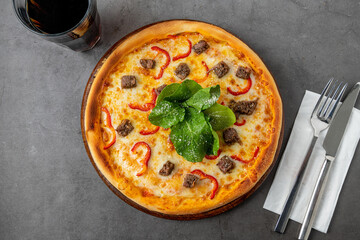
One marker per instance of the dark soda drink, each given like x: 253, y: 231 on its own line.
x: 56, y: 16
x: 70, y: 23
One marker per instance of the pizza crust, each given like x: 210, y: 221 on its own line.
x: 91, y: 117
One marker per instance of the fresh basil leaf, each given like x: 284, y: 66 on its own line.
x: 220, y: 116
x: 192, y: 138
x: 216, y: 144
x: 204, y: 98
x: 193, y: 86
x: 177, y: 92
x: 181, y: 94
x: 166, y: 114
x: 214, y: 96
x: 207, y: 118
x: 167, y: 91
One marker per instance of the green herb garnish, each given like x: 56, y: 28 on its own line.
x: 167, y: 114
x: 220, y: 116
x: 193, y: 116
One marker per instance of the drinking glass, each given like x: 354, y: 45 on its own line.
x: 83, y: 36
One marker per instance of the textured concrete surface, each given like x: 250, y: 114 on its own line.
x: 48, y: 187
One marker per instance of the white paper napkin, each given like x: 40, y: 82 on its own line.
x: 293, y: 156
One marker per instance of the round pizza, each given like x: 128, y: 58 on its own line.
x: 181, y: 117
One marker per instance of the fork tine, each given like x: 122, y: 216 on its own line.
x: 324, y: 91
x: 320, y: 113
x: 332, y: 99
x: 338, y: 98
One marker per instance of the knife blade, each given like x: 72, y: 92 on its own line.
x: 331, y: 144
x: 340, y: 120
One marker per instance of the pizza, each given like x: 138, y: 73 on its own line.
x: 140, y: 159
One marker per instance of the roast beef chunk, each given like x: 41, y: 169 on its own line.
x: 243, y: 72
x: 167, y: 169
x: 189, y: 180
x: 147, y: 63
x: 221, y: 69
x: 242, y: 107
x: 124, y: 128
x: 128, y: 81
x: 159, y: 89
x: 231, y: 136
x: 201, y: 46
x: 225, y: 164
x: 182, y: 71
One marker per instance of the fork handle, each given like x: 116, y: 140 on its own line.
x: 315, y: 200
x: 284, y: 217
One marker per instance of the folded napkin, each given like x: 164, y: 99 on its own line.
x: 291, y: 161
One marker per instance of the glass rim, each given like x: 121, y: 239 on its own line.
x: 90, y: 4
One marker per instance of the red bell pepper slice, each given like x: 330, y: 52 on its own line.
x: 241, y: 91
x: 147, y: 106
x: 206, y: 75
x: 145, y: 160
x: 166, y: 64
x: 213, y: 157
x: 184, y: 55
x: 148, y: 132
x: 256, y: 152
x: 240, y: 123
x: 153, y: 97
x: 172, y: 36
x: 109, y: 127
x: 211, y: 178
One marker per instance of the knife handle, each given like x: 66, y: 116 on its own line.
x: 284, y: 216
x: 315, y: 199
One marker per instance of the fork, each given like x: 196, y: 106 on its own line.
x: 321, y: 116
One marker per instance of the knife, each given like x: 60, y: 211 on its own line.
x: 331, y: 144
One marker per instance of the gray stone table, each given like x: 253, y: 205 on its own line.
x: 48, y: 187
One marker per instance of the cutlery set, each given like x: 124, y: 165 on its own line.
x: 326, y: 114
